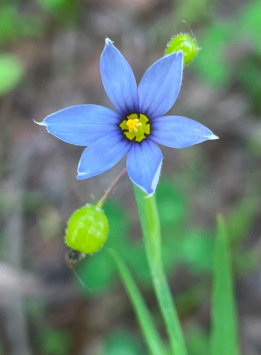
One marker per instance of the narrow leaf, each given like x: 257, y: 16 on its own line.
x: 144, y: 317
x: 224, y: 324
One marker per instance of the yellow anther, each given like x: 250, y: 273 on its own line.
x: 136, y: 127
x: 133, y: 124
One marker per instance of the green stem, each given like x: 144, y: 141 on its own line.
x: 150, y: 224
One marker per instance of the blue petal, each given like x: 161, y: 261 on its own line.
x: 82, y: 124
x: 118, y: 80
x: 160, y: 85
x: 179, y: 132
x: 144, y: 164
x: 102, y: 155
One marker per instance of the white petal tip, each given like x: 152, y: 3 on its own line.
x: 108, y: 41
x: 40, y: 123
x: 149, y: 195
x: 213, y: 137
x: 81, y: 176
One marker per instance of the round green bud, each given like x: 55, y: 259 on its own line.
x: 87, y: 229
x: 184, y: 43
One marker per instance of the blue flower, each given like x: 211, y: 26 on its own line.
x: 138, y: 124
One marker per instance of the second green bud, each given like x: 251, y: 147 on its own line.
x: 183, y: 42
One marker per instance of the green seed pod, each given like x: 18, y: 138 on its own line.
x: 87, y: 229
x: 184, y: 43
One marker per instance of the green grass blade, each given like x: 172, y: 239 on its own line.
x: 144, y: 317
x: 224, y: 323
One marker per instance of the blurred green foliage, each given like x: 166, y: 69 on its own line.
x: 231, y: 50
x: 121, y: 342
x: 124, y: 342
x: 211, y: 63
x: 11, y: 72
x: 241, y: 219
x: 192, y: 11
x: 197, y: 341
x: 64, y: 10
x: 55, y: 342
x: 14, y: 24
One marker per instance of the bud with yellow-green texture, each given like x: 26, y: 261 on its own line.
x: 87, y: 229
x: 184, y: 43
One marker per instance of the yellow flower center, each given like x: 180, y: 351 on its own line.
x: 136, y: 127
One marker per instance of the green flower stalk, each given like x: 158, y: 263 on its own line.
x: 150, y: 224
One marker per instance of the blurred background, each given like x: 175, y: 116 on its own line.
x: 49, y: 59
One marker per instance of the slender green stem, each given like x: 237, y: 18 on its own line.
x: 151, y: 233
x: 150, y: 333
